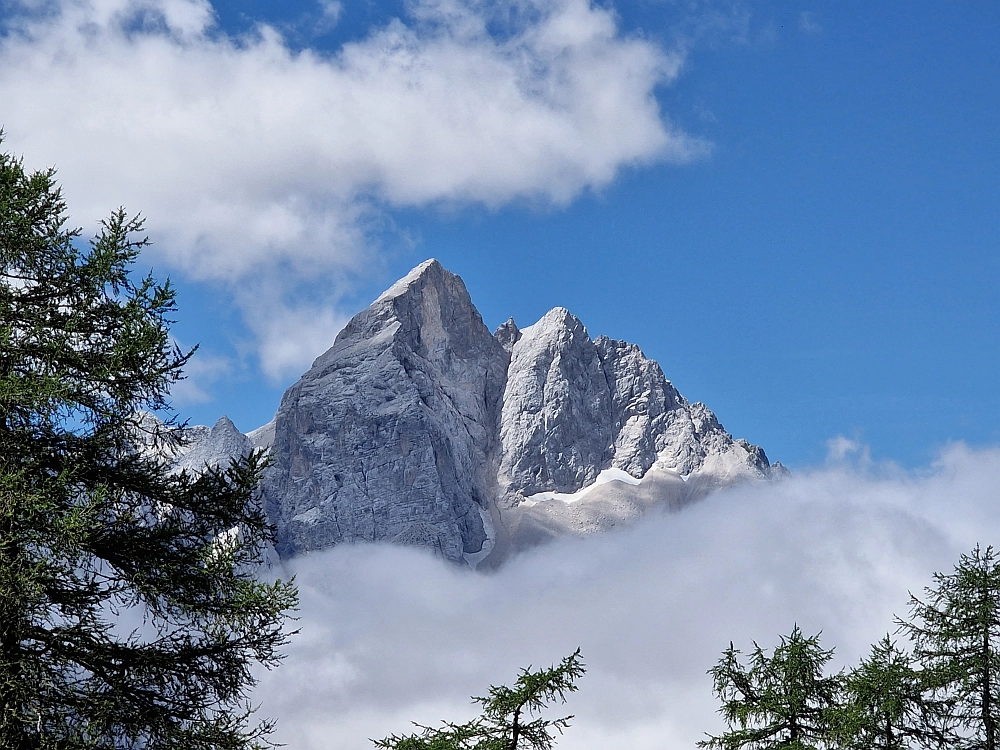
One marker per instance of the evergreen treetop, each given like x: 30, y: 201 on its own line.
x: 955, y: 629
x: 776, y: 702
x: 885, y: 705
x: 95, y: 532
x: 506, y: 722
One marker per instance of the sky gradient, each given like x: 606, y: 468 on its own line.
x: 794, y: 210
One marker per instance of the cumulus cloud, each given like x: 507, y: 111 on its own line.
x: 391, y: 635
x: 256, y: 163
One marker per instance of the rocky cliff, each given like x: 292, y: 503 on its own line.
x: 421, y: 427
x: 392, y: 432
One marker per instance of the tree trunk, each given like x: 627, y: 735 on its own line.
x: 515, y: 732
x: 987, y: 694
x: 12, y: 708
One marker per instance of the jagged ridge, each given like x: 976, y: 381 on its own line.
x: 420, y: 427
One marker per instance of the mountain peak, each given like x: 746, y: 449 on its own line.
x: 429, y: 271
x: 558, y: 324
x: 507, y: 334
x: 421, y: 427
x: 428, y: 312
x: 390, y: 434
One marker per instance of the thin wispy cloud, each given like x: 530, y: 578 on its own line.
x: 259, y: 165
x: 331, y: 10
x: 391, y: 635
x: 842, y: 448
x: 201, y: 373
x: 809, y: 23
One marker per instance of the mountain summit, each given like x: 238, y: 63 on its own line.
x: 392, y: 433
x: 420, y: 427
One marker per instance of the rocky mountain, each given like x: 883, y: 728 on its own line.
x: 392, y: 432
x: 421, y: 427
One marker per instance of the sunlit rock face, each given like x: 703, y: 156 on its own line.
x: 420, y: 427
x: 390, y: 435
x: 556, y: 427
x: 192, y: 449
x: 574, y: 407
x: 217, y: 446
x: 644, y: 406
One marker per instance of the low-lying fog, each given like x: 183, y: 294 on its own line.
x: 392, y: 635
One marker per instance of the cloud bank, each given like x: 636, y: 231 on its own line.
x: 266, y: 169
x: 390, y: 635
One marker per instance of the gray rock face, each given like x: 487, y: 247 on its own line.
x: 390, y: 435
x: 195, y: 449
x: 192, y: 448
x: 644, y: 404
x: 507, y: 335
x: 217, y: 446
x: 574, y: 407
x: 262, y: 437
x: 556, y: 422
x: 655, y: 425
x: 420, y: 427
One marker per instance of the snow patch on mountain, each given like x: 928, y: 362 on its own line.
x: 607, y: 475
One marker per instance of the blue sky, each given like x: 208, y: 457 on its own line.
x: 794, y: 209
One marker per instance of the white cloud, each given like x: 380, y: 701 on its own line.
x: 390, y: 635
x: 331, y: 10
x: 255, y: 162
x: 290, y: 334
x: 841, y: 448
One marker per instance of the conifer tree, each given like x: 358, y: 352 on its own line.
x: 508, y: 720
x: 885, y: 704
x: 777, y: 702
x: 956, y: 634
x: 128, y: 615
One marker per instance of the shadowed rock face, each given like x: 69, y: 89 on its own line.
x: 391, y: 433
x: 419, y: 427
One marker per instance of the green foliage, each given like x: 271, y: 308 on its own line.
x: 502, y: 725
x: 945, y: 695
x: 956, y: 636
x: 96, y: 532
x: 885, y: 704
x: 778, y: 701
